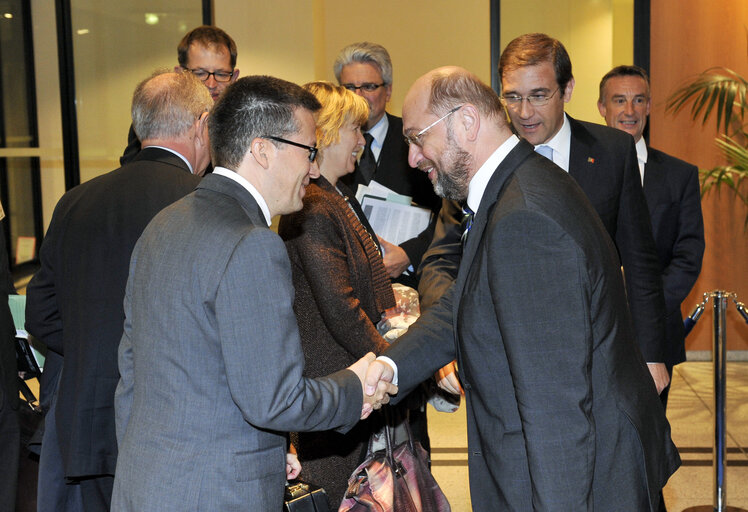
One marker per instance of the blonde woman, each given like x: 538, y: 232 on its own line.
x: 342, y: 288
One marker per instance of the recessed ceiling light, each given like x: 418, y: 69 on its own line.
x: 8, y: 16
x: 151, y: 18
x: 82, y: 31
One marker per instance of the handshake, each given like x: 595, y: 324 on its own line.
x: 376, y: 382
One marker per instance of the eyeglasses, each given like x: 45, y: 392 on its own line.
x: 536, y: 100
x: 368, y: 87
x: 220, y: 76
x: 312, y: 149
x: 416, y: 139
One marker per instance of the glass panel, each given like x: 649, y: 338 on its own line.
x: 18, y: 175
x: 115, y: 46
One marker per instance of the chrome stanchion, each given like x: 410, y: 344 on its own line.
x: 719, y: 358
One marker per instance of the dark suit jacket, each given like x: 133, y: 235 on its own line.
x: 603, y: 162
x: 74, y: 301
x: 671, y: 187
x: 211, y: 362
x: 562, y: 413
x: 394, y: 172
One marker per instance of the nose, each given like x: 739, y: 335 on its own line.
x: 525, y: 109
x: 414, y: 155
x: 211, y: 83
x: 360, y: 139
x: 628, y: 109
x: 314, y: 170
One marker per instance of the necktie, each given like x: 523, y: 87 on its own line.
x: 546, y: 151
x: 367, y: 164
x: 467, y: 223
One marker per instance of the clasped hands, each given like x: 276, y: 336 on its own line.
x: 376, y: 382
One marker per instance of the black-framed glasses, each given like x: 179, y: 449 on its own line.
x: 536, y: 100
x: 312, y: 149
x: 367, y: 86
x: 416, y: 139
x: 219, y: 76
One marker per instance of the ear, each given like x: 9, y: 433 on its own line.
x: 177, y: 69
x: 567, y: 91
x: 201, y: 129
x: 649, y: 105
x: 234, y: 76
x: 601, y: 108
x: 263, y: 151
x: 388, y: 88
x: 469, y: 118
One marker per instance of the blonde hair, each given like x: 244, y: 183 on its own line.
x: 339, y: 106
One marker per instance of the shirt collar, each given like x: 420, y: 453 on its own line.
x: 479, y: 181
x: 561, y: 144
x: 189, y: 166
x: 379, y: 132
x: 641, y: 156
x: 222, y: 171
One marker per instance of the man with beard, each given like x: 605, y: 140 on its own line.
x: 561, y: 412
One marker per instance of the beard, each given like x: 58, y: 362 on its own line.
x: 452, y: 171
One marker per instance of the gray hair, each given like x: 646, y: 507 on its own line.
x: 166, y: 104
x: 366, y: 53
x: 251, y: 107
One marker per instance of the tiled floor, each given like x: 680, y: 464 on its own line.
x: 690, y: 410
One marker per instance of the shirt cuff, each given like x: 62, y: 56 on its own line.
x: 392, y: 364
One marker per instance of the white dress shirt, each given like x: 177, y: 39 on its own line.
x: 561, y: 145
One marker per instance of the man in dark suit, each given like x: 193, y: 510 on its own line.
x: 211, y: 360
x: 366, y: 69
x: 210, y: 54
x: 74, y: 302
x: 561, y: 412
x: 671, y: 187
x: 536, y: 82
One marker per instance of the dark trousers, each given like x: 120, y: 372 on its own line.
x: 10, y: 449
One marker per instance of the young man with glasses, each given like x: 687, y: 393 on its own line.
x: 366, y: 69
x: 210, y: 54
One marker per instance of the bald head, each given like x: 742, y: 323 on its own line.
x: 453, y: 122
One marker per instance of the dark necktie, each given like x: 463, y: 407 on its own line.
x: 368, y: 164
x: 466, y: 223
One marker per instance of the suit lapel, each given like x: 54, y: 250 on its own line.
x: 474, y: 241
x: 232, y: 189
x: 582, y: 157
x: 654, y: 179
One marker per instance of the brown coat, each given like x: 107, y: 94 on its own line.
x: 342, y: 289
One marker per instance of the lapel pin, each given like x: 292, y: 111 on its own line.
x: 590, y: 160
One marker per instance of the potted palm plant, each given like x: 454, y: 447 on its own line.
x: 722, y: 92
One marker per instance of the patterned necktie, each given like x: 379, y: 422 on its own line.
x: 367, y: 164
x: 467, y: 223
x: 546, y: 151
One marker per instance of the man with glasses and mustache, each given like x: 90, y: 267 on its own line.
x: 536, y: 82
x: 210, y: 54
x: 366, y: 69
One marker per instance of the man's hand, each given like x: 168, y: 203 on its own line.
x: 395, y: 260
x: 379, y: 392
x: 446, y: 378
x: 660, y: 375
x: 293, y: 466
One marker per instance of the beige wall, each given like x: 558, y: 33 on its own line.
x: 302, y: 44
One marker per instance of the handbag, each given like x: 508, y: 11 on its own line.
x: 304, y: 497
x: 396, y: 479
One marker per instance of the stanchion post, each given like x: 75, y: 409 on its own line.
x: 719, y: 358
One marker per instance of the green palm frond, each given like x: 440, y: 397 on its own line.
x: 732, y: 175
x: 716, y: 88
